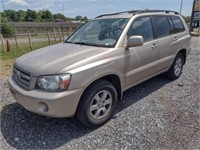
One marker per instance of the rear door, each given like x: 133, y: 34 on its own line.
x: 166, y: 41
x: 180, y: 35
x: 140, y: 62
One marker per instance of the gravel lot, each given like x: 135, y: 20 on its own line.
x: 157, y: 114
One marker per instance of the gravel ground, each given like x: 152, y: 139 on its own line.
x: 157, y: 114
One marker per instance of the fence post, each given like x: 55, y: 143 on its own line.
x: 63, y: 35
x: 60, y: 35
x: 8, y: 48
x: 54, y: 30
x: 67, y: 33
x: 48, y: 35
x: 29, y: 39
x: 2, y: 41
x: 70, y: 31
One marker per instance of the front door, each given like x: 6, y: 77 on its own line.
x: 140, y: 62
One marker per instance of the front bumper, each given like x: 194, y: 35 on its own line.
x: 53, y: 104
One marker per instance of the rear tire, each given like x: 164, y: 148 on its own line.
x: 97, y: 104
x: 176, y: 69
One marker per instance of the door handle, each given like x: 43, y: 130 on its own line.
x: 175, y: 39
x: 154, y: 46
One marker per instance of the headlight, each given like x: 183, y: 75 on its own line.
x: 54, y: 82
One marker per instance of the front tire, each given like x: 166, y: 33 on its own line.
x: 176, y: 69
x: 97, y: 104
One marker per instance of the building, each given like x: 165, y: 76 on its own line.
x: 195, y: 18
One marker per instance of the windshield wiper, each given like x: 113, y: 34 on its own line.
x: 90, y: 44
x: 68, y: 42
x: 81, y: 43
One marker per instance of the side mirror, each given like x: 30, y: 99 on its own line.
x: 135, y: 41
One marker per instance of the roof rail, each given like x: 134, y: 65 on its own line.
x: 112, y: 14
x: 134, y: 12
x: 154, y: 11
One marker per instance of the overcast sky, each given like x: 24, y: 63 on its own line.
x: 92, y: 8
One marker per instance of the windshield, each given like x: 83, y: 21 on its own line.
x: 102, y: 32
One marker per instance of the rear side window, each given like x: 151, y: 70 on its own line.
x: 142, y: 26
x: 161, y: 26
x: 178, y: 24
x: 171, y: 24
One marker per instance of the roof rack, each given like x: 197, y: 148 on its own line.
x: 154, y: 11
x: 112, y: 14
x: 134, y: 12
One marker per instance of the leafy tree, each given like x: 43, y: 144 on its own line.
x: 85, y: 19
x: 187, y: 19
x: 7, y: 29
x: 21, y: 15
x: 30, y: 15
x: 46, y: 15
x: 12, y: 14
x: 59, y: 16
x: 78, y: 18
x: 41, y: 15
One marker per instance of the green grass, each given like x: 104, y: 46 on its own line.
x: 22, y: 49
x: 7, y: 58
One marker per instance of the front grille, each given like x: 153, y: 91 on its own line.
x: 22, y: 78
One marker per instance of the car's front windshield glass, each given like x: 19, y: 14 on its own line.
x: 101, y: 32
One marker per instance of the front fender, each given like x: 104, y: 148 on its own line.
x: 83, y: 76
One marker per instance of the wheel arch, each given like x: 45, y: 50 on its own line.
x: 184, y: 53
x: 113, y: 79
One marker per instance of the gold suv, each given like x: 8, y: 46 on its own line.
x: 87, y: 74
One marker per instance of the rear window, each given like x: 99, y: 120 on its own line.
x: 161, y: 26
x: 178, y: 24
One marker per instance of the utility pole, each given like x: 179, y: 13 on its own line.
x: 3, y: 5
x: 62, y: 23
x: 27, y: 4
x: 192, y: 16
x: 181, y: 6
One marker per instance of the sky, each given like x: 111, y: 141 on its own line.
x: 92, y: 8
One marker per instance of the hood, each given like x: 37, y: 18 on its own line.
x: 51, y: 59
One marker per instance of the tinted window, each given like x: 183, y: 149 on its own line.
x: 171, y: 24
x: 161, y: 25
x: 142, y: 26
x: 178, y: 24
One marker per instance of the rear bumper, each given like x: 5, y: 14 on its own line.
x: 53, y: 104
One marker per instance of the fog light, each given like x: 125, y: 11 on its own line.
x: 42, y: 107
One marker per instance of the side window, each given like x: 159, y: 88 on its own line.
x: 178, y: 24
x: 142, y: 26
x: 171, y: 24
x: 161, y: 25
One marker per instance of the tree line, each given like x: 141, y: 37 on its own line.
x: 9, y: 16
x: 37, y: 16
